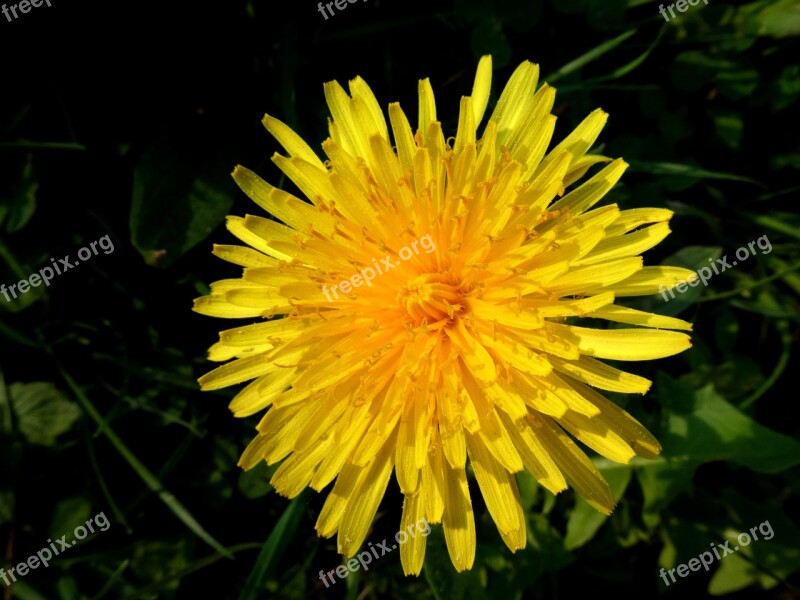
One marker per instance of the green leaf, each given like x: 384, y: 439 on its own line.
x: 23, y: 591
x: 771, y: 556
x: 693, y: 69
x: 786, y: 91
x: 662, y: 481
x: 738, y: 82
x: 716, y: 430
x: 69, y: 514
x: 10, y: 455
x: 528, y: 488
x: 43, y: 412
x: 729, y: 127
x: 172, y: 208
x: 547, y: 544
x: 682, y: 540
x: 700, y: 427
x: 157, y: 560
x: 16, y: 213
x: 585, y: 521
x: 255, y: 482
x: 690, y: 257
x: 774, y: 18
x: 6, y: 424
x: 734, y: 573
x: 442, y: 578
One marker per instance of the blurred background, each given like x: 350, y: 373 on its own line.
x: 126, y: 119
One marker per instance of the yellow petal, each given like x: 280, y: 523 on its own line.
x: 515, y: 99
x: 427, y: 109
x: 364, y: 500
x: 412, y: 552
x: 465, y: 134
x: 599, y: 438
x: 592, y: 191
x: 482, y: 87
x: 217, y: 306
x: 432, y: 485
x: 403, y: 136
x: 617, y: 420
x: 324, y: 418
x: 499, y: 490
x: 632, y: 218
x: 534, y: 455
x: 591, y: 279
x: 406, y: 470
x: 528, y: 144
x: 492, y: 430
x: 458, y: 520
x: 359, y: 89
x: 282, y: 432
x: 332, y: 511
x: 348, y: 132
x: 652, y: 280
x: 234, y: 372
x: 582, y: 137
x: 295, y: 473
x: 582, y: 164
x: 569, y: 308
x: 578, y: 470
x: 243, y: 256
x: 349, y: 432
x: 292, y: 211
x: 503, y: 314
x: 449, y: 413
x: 246, y: 233
x: 601, y: 375
x: 276, y: 331
x: 631, y: 244
x: 624, y: 344
x: 312, y: 180
x: 293, y: 143
x: 250, y: 401
x: 473, y: 353
x: 623, y: 314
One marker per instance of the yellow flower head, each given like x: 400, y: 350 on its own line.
x: 416, y: 309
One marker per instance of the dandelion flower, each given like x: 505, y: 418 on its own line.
x: 416, y: 304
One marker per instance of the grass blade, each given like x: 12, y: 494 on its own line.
x: 144, y: 473
x: 273, y: 549
x: 590, y: 56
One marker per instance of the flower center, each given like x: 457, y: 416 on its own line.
x: 433, y: 297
